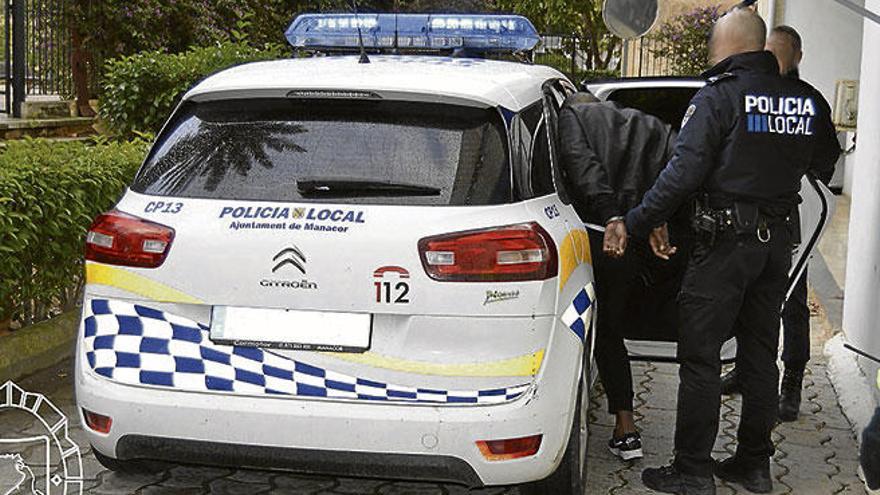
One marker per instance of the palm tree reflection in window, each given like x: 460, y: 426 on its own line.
x: 210, y: 150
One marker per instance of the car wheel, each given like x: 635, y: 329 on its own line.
x: 131, y: 466
x: 571, y: 475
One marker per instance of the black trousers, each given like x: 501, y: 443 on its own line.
x: 614, y: 278
x: 796, y: 327
x: 870, y: 454
x: 736, y: 285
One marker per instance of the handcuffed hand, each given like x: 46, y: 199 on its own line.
x: 659, y: 240
x: 614, y: 243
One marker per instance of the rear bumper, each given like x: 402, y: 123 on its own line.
x: 397, y: 440
x: 340, y: 463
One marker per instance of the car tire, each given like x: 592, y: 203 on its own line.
x: 131, y: 466
x: 570, y: 476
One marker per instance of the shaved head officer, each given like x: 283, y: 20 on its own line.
x: 785, y: 43
x: 746, y: 140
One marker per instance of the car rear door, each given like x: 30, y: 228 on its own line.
x: 667, y: 98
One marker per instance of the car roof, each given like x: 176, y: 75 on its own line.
x: 511, y: 85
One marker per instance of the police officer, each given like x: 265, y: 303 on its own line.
x: 746, y: 139
x: 785, y: 43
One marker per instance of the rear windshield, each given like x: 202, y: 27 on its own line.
x: 378, y: 152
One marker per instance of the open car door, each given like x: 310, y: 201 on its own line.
x: 653, y: 332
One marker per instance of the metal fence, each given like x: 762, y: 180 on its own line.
x: 6, y: 66
x: 644, y: 57
x: 37, y: 50
x: 571, y: 55
x: 48, y: 47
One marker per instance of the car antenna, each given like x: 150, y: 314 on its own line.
x: 364, y: 59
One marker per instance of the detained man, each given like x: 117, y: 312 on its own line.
x: 606, y: 179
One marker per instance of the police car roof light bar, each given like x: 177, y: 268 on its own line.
x: 422, y: 32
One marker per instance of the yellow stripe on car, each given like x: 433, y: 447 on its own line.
x: 574, y: 250
x: 126, y: 280
x: 525, y: 365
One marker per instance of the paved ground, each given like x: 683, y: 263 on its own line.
x: 817, y: 455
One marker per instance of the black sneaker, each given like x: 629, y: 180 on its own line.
x: 730, y: 383
x: 667, y: 479
x: 753, y: 479
x: 790, y: 395
x: 628, y: 447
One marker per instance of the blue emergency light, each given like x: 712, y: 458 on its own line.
x: 422, y: 32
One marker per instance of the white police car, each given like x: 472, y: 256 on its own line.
x: 342, y: 267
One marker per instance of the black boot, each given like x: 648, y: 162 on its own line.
x: 753, y: 479
x: 667, y: 479
x: 790, y: 394
x: 730, y: 383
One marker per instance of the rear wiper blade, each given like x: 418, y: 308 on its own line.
x: 362, y: 187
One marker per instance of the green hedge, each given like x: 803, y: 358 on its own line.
x: 49, y: 194
x: 139, y: 91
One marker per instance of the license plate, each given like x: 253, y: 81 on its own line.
x: 291, y: 329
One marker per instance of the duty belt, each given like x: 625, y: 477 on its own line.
x: 742, y: 219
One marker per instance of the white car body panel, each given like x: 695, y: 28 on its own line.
x: 422, y: 78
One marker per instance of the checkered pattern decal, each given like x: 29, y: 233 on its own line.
x: 134, y: 344
x: 577, y: 316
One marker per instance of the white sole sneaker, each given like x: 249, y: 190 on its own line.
x: 627, y: 455
x: 867, y: 488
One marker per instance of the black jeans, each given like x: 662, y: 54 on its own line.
x: 739, y: 283
x: 870, y: 455
x: 796, y: 327
x: 614, y: 279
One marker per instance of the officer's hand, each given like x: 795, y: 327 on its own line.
x: 614, y: 243
x: 659, y: 240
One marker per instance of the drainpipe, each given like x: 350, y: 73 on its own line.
x: 771, y: 14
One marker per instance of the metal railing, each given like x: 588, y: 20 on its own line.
x: 48, y: 47
x: 570, y: 55
x: 7, y: 57
x: 37, y: 48
x: 644, y: 57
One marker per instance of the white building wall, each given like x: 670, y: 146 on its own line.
x: 861, y: 311
x: 832, y: 41
x: 832, y: 37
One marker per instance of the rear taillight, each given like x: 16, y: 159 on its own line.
x: 118, y: 238
x: 510, y: 253
x: 511, y: 448
x: 97, y: 422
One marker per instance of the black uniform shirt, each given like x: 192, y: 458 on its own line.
x: 748, y: 135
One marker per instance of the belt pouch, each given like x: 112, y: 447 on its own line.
x: 745, y: 218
